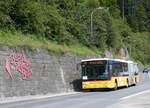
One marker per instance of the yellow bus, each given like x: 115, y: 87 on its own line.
x: 108, y: 73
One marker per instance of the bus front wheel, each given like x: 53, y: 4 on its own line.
x: 127, y: 83
x: 135, y: 82
x: 115, y: 86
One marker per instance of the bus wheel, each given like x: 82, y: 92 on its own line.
x: 127, y: 83
x: 135, y: 82
x: 116, y: 86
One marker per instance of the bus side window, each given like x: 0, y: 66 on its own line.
x: 136, y: 69
x: 126, y: 68
x: 132, y: 68
x: 110, y: 68
x: 114, y: 69
x: 83, y: 70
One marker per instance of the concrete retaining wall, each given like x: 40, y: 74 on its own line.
x: 50, y: 73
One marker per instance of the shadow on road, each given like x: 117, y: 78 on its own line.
x: 77, y: 85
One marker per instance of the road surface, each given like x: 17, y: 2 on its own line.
x: 96, y: 99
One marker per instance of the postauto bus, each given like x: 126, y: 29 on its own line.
x: 108, y: 73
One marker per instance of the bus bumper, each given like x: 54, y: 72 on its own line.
x: 97, y: 84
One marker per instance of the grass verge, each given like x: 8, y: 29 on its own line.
x: 18, y: 39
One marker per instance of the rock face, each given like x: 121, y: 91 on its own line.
x: 122, y: 54
x: 50, y: 73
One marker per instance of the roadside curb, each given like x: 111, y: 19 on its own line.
x: 35, y: 97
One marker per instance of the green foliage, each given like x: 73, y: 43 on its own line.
x: 139, y: 47
x: 115, y: 37
x: 92, y: 3
x: 5, y: 19
x: 112, y: 5
x: 67, y: 22
x: 142, y: 18
x: 137, y: 14
x: 16, y: 38
x: 29, y: 14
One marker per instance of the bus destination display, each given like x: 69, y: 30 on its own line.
x: 93, y: 62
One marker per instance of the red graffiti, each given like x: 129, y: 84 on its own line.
x: 21, y: 64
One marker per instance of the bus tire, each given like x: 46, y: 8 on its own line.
x: 127, y: 85
x: 135, y: 82
x: 116, y: 86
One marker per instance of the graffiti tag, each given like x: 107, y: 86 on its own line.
x: 21, y: 65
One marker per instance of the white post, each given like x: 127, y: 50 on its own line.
x: 92, y: 19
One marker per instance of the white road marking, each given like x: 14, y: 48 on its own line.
x: 133, y: 95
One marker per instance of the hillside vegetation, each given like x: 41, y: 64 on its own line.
x: 64, y: 25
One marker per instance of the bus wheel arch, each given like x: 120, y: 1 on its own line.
x: 116, y: 84
x: 135, y: 81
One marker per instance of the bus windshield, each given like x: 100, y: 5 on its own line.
x: 94, y: 72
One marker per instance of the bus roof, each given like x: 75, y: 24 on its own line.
x: 97, y: 59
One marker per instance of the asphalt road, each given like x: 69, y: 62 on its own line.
x: 95, y: 99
